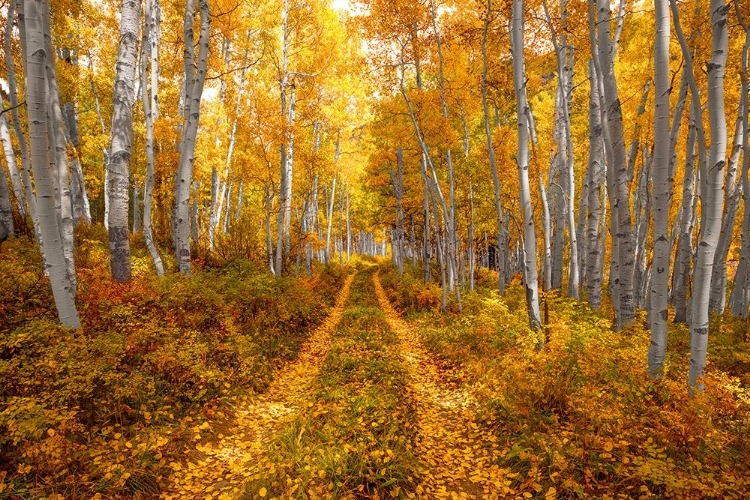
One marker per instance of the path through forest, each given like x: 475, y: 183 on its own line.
x: 455, y: 449
x: 223, y: 468
x: 454, y: 452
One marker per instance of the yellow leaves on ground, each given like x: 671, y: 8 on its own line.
x: 456, y: 451
x: 237, y: 455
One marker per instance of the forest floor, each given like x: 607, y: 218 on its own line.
x: 348, y: 384
x: 303, y: 436
x: 240, y: 451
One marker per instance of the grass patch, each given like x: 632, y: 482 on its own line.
x: 356, y: 438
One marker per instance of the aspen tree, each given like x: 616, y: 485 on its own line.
x: 713, y: 198
x: 522, y: 159
x: 662, y: 193
x: 41, y: 146
x: 194, y: 80
x: 118, y: 166
x: 151, y: 40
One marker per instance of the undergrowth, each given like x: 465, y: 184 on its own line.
x: 105, y: 409
x: 580, y: 417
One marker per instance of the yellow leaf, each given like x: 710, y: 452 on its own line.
x: 263, y: 492
x: 608, y: 446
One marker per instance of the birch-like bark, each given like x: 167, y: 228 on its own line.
x: 685, y: 252
x: 717, y: 298
x: 36, y: 55
x: 80, y: 195
x: 426, y: 248
x: 662, y: 193
x: 681, y: 274
x: 223, y: 194
x: 329, y: 218
x: 228, y: 196
x: 7, y: 227
x: 440, y: 253
x: 519, y: 82
x: 583, y: 207
x: 60, y: 158
x: 608, y: 185
x: 105, y: 151
x: 15, y: 114
x: 713, y: 199
x: 741, y: 288
x: 268, y: 205
x: 596, y: 173
x: 546, y: 228
x: 397, y: 180
x: 151, y: 110
x: 287, y: 148
x: 432, y: 183
x: 451, y: 236
x: 118, y: 166
x: 642, y: 212
x: 10, y: 160
x: 565, y: 146
x: 214, y: 209
x: 490, y: 147
x: 194, y: 89
x: 621, y: 205
x: 348, y: 229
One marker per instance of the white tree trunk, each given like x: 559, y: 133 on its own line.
x: 546, y: 228
x: 41, y: 147
x: 522, y: 158
x: 681, y: 274
x: 59, y: 159
x: 7, y: 228
x: 80, y: 195
x: 741, y: 287
x: 490, y: 147
x: 397, y: 180
x: 713, y: 198
x: 662, y: 193
x: 621, y: 205
x: 150, y: 111
x: 329, y: 218
x: 118, y: 167
x: 194, y: 89
x: 717, y: 300
x: 15, y: 114
x: 10, y: 160
x: 596, y: 170
x: 565, y: 145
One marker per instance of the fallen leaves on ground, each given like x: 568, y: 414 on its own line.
x: 237, y: 456
x: 456, y: 450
